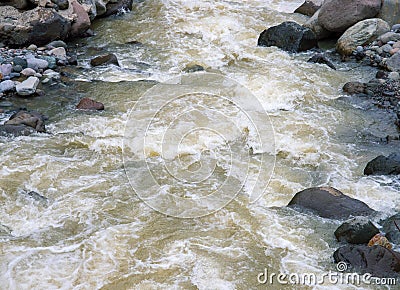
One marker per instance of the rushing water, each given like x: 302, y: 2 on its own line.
x: 94, y: 232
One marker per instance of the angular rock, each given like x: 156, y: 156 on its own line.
x: 288, y: 36
x: 82, y: 20
x: 382, y: 165
x: 390, y: 11
x: 6, y: 86
x: 354, y: 88
x: 115, y: 7
x: 89, y: 104
x: 362, y: 33
x: 321, y: 59
x: 377, y: 261
x: 328, y: 202
x: 339, y: 15
x: 393, y: 63
x: 31, y: 119
x: 36, y: 63
x: 358, y: 230
x: 319, y: 31
x: 27, y: 87
x: 19, y: 4
x: 37, y: 26
x: 309, y: 7
x: 104, y: 60
x: 392, y: 233
x: 59, y: 52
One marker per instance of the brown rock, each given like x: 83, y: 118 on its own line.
x: 89, y: 104
x: 104, y: 60
x: 82, y: 20
x: 338, y: 15
x: 309, y: 7
x: 354, y: 88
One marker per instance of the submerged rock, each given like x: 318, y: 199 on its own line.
x: 104, y: 60
x: 377, y: 261
x: 382, y: 165
x: 31, y: 119
x: 15, y: 130
x: 89, y: 104
x: 330, y: 203
x: 288, y: 36
x: 361, y: 34
x: 321, y: 59
x: 354, y: 88
x: 338, y: 15
x: 358, y: 230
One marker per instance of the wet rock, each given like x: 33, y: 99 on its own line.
x: 50, y: 74
x: 82, y: 20
x: 319, y: 31
x: 193, y: 68
x: 309, y: 7
x: 392, y: 233
x: 389, y: 36
x: 358, y: 230
x: 28, y: 72
x: 393, y: 63
x: 6, y: 86
x: 37, y: 26
x: 377, y: 261
x: 15, y: 130
x: 354, y: 88
x: 36, y: 63
x: 321, y: 59
x: 57, y: 43
x: 394, y: 76
x: 117, y: 7
x: 17, y: 69
x: 361, y: 34
x: 339, y: 15
x: 89, y: 104
x: 28, y: 86
x: 5, y: 69
x: 72, y: 60
x: 4, y: 231
x: 62, y: 4
x: 59, y: 53
x: 105, y: 60
x: 390, y: 11
x: 288, y: 36
x: 20, y: 61
x: 330, y: 203
x: 382, y: 165
x: 36, y: 196
x: 30, y: 119
x: 32, y: 47
x: 52, y: 62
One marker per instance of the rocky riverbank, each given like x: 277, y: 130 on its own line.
x: 368, y: 33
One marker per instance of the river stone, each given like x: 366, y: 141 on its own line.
x: 390, y: 11
x: 82, y: 20
x: 31, y: 119
x: 19, y: 4
x: 28, y: 72
x: 20, y: 61
x: 27, y: 87
x: 358, y: 230
x: 393, y: 63
x: 104, y: 60
x: 89, y: 104
x: 309, y: 7
x: 115, y: 7
x: 5, y: 69
x: 6, y: 86
x: 392, y: 233
x: 15, y: 130
x: 321, y: 59
x: 339, y: 15
x: 389, y: 36
x: 382, y: 165
x: 376, y: 260
x: 57, y: 43
x: 288, y: 36
x: 362, y: 33
x: 59, y: 52
x: 319, y: 31
x: 328, y: 202
x: 354, y: 88
x: 51, y: 60
x: 36, y: 63
x: 62, y: 4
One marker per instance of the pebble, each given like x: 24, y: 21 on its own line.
x: 6, y: 104
x: 28, y: 72
x: 36, y: 63
x: 32, y: 47
x: 359, y: 49
x: 387, y: 48
x: 17, y: 68
x: 59, y: 53
x: 20, y: 61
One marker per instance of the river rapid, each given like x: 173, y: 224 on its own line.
x: 94, y: 232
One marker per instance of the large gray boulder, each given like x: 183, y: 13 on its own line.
x: 38, y: 26
x: 390, y: 11
x: 319, y: 31
x: 362, y: 33
x: 330, y: 203
x: 338, y: 15
x: 288, y: 36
